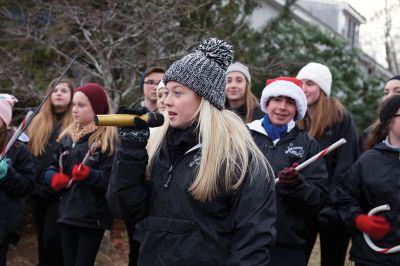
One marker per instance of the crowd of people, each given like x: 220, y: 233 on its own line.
x: 218, y: 183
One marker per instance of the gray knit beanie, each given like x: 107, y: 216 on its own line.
x: 203, y: 71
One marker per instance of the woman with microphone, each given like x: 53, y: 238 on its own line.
x: 203, y: 193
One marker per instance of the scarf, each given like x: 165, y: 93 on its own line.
x: 77, y: 131
x: 274, y: 132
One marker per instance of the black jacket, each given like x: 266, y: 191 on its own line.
x: 84, y: 203
x: 338, y: 162
x: 242, y: 110
x: 41, y: 190
x: 374, y: 180
x: 17, y: 184
x: 233, y: 229
x: 308, y: 197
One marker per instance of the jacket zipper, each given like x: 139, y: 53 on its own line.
x: 170, y: 170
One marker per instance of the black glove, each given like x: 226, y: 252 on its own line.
x: 138, y: 134
x: 288, y: 177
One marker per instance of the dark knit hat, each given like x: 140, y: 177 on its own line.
x: 389, y: 109
x: 203, y: 71
x: 394, y: 78
x: 97, y: 97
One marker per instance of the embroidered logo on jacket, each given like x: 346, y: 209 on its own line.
x: 297, y: 151
x: 196, y: 160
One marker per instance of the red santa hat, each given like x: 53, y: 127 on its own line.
x: 288, y: 87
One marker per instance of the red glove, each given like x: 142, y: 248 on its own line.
x: 81, y: 174
x: 59, y: 181
x: 374, y: 226
x: 289, y: 177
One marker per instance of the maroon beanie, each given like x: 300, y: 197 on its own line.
x: 97, y: 97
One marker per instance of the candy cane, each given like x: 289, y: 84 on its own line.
x: 391, y: 250
x: 319, y: 155
x: 16, y: 134
x: 90, y: 152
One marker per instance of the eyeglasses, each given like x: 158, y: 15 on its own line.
x: 151, y: 82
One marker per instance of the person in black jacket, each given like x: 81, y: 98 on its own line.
x: 327, y: 121
x: 374, y: 180
x: 54, y: 117
x: 83, y: 210
x: 239, y: 97
x: 299, y: 194
x: 208, y: 197
x: 391, y: 88
x: 16, y: 180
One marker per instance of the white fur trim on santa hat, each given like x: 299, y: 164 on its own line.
x: 288, y: 89
x: 318, y: 73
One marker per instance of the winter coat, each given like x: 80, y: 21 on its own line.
x: 338, y: 162
x: 242, y: 110
x: 374, y: 180
x: 41, y: 190
x: 14, y: 188
x: 83, y: 204
x: 308, y: 197
x: 235, y: 228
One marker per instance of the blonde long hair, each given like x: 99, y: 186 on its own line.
x: 105, y: 136
x: 328, y: 111
x: 42, y: 125
x: 227, y: 145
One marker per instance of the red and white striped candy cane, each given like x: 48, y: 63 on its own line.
x: 391, y: 250
x: 16, y: 134
x: 319, y: 155
x: 90, y: 152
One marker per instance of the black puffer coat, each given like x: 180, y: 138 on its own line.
x: 84, y: 203
x: 14, y: 188
x: 374, y: 180
x: 235, y: 228
x: 308, y: 197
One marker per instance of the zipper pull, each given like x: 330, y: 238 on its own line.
x: 166, y: 184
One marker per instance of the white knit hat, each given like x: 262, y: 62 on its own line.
x: 318, y: 73
x: 239, y: 67
x: 160, y: 86
x: 285, y: 86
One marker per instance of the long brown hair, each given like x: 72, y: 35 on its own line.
x: 327, y: 112
x: 379, y: 131
x: 42, y: 125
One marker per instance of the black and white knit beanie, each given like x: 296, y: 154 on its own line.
x: 203, y: 71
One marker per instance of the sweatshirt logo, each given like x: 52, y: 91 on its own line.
x: 297, y: 151
x: 195, y: 161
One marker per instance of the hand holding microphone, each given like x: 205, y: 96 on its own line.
x: 133, y: 124
x: 126, y: 117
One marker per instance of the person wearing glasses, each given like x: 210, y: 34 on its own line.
x: 374, y: 181
x: 148, y: 85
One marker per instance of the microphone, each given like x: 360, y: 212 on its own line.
x: 128, y: 120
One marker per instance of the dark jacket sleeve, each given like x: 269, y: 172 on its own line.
x: 103, y: 174
x: 311, y: 192
x: 253, y: 217
x: 348, y: 153
x: 19, y: 180
x: 127, y: 193
x: 349, y: 196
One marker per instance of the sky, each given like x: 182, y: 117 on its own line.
x: 371, y: 33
